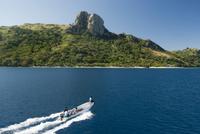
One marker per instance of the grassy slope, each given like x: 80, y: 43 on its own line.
x: 51, y: 45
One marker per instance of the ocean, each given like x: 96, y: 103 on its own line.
x: 127, y: 101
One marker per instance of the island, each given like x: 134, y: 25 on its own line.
x: 85, y: 43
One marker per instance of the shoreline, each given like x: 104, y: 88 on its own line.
x: 106, y: 67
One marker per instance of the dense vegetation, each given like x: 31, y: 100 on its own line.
x: 53, y: 45
x: 190, y: 55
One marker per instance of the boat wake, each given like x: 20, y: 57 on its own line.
x: 48, y: 125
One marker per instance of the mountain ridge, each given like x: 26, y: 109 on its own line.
x: 87, y: 42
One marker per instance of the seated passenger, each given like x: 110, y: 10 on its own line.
x: 66, y: 113
x: 73, y: 111
x: 69, y: 112
x: 61, y: 116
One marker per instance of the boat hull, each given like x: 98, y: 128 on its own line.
x: 85, y: 107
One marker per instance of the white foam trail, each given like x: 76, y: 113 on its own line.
x: 55, y: 125
x: 28, y: 122
x: 42, y: 126
x: 38, y: 124
x: 84, y: 116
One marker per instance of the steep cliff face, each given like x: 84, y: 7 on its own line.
x: 91, y: 23
x: 96, y: 25
x: 82, y: 20
x: 81, y: 23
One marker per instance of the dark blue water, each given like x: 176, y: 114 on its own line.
x: 140, y: 101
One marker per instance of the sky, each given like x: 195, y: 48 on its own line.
x: 173, y: 24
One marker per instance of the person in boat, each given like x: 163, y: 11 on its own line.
x: 61, y: 116
x: 74, y: 111
x: 66, y: 113
x: 65, y: 109
x: 91, y: 100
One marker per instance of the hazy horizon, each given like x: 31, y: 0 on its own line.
x: 173, y: 24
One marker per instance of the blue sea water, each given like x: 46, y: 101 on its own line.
x: 127, y: 101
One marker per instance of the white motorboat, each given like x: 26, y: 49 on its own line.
x: 69, y: 114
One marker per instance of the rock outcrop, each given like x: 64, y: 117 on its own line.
x: 91, y: 23
x: 96, y: 25
x: 81, y: 22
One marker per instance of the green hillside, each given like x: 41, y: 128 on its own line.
x: 190, y: 55
x: 58, y: 45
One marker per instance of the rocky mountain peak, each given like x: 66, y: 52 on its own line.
x: 91, y: 23
x: 95, y: 25
x: 81, y: 20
